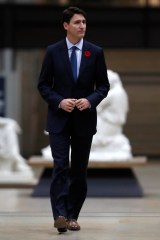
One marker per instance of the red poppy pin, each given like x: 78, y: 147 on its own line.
x: 87, y: 54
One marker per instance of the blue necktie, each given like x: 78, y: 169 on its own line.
x: 73, y: 60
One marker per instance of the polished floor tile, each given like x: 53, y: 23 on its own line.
x: 23, y: 217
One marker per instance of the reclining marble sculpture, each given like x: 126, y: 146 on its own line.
x: 12, y: 164
x: 109, y: 143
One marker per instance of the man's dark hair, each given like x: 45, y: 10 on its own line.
x: 69, y: 12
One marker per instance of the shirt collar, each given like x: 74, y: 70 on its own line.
x: 78, y: 45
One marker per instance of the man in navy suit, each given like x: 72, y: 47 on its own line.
x: 73, y: 81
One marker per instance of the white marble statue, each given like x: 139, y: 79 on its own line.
x: 12, y: 165
x: 109, y: 143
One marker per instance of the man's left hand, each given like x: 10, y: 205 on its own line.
x: 82, y: 104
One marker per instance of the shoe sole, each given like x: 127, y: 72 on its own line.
x: 62, y: 230
x: 73, y: 229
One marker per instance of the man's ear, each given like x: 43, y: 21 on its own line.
x: 65, y: 25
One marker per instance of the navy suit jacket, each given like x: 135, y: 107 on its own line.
x: 56, y: 83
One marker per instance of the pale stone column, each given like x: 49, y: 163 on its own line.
x: 12, y: 84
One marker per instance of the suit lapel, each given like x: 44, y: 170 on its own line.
x: 65, y: 60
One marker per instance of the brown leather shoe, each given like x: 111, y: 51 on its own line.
x: 73, y: 225
x: 60, y: 224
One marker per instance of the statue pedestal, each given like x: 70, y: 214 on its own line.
x: 15, y: 179
x: 105, y: 179
x: 113, y: 182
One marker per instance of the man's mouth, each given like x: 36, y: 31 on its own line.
x: 81, y: 32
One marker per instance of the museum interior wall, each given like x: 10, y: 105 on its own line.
x: 132, y: 48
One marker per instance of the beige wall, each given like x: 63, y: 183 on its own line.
x: 140, y: 74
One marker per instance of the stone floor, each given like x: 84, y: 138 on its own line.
x: 23, y: 217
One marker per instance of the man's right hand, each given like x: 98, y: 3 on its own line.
x: 68, y: 104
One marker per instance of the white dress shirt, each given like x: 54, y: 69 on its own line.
x: 79, y: 46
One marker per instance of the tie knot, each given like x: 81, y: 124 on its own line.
x: 74, y: 48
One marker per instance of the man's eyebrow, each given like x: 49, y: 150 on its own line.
x: 79, y: 20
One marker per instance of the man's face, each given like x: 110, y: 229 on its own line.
x: 76, y: 28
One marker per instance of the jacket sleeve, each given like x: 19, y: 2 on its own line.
x: 102, y: 85
x: 46, y: 81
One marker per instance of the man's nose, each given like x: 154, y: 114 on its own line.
x: 82, y: 25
